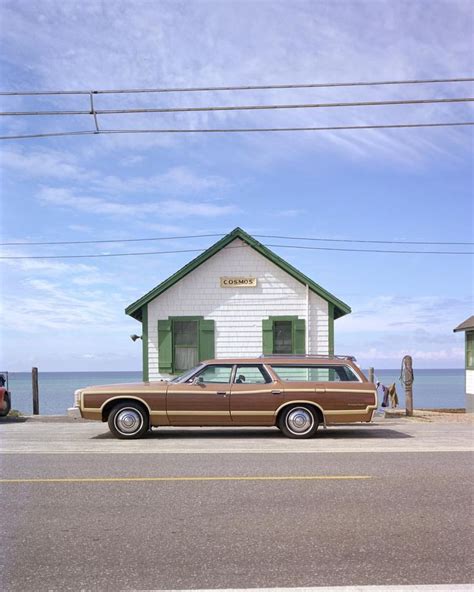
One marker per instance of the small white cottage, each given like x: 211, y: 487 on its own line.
x: 236, y: 299
x: 468, y: 327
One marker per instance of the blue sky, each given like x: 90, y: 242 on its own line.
x: 412, y: 184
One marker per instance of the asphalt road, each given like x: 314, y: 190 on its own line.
x: 209, y: 520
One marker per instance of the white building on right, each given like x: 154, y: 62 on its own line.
x: 468, y: 328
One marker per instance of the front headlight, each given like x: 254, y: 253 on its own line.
x: 77, y: 398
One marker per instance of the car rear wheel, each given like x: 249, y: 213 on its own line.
x: 299, y: 421
x: 128, y: 421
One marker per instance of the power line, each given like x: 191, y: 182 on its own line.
x: 238, y: 107
x: 104, y: 255
x: 232, y: 88
x: 114, y: 240
x: 350, y: 240
x: 375, y: 250
x: 191, y: 236
x: 237, y: 130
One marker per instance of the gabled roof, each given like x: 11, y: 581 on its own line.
x: 468, y: 325
x: 135, y: 309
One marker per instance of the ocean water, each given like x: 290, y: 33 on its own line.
x: 432, y: 388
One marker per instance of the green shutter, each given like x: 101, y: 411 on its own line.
x: 267, y: 336
x: 299, y: 336
x: 165, y: 346
x: 206, y: 339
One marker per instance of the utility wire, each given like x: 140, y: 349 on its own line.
x: 238, y: 130
x: 350, y: 240
x: 191, y: 236
x: 97, y: 255
x: 231, y: 88
x: 238, y: 107
x: 114, y: 240
x: 374, y: 250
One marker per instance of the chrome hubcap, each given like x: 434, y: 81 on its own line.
x: 128, y: 421
x: 299, y: 420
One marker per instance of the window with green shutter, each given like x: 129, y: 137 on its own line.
x: 183, y: 342
x: 284, y: 335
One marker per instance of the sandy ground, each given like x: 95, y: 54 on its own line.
x: 433, y: 415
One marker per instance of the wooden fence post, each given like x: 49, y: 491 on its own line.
x: 371, y: 374
x: 35, y: 389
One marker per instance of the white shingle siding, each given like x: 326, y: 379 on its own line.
x: 238, y: 312
x: 470, y: 391
x: 470, y: 382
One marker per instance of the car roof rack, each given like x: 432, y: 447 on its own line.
x: 310, y: 357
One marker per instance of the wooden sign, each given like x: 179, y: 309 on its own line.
x: 238, y: 282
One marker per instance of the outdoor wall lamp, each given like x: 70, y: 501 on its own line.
x: 135, y: 337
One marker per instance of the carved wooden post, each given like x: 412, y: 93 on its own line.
x: 406, y: 378
x: 35, y: 389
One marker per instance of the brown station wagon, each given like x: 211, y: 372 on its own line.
x: 294, y: 393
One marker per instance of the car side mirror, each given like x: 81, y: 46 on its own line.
x: 198, y: 380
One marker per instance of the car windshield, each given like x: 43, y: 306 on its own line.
x: 184, y: 377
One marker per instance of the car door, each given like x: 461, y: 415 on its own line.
x: 204, y: 400
x: 255, y: 396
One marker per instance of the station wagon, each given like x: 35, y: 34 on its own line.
x: 297, y: 394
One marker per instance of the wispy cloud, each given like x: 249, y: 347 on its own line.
x: 390, y: 327
x: 49, y: 305
x: 292, y: 213
x: 177, y: 180
x: 43, y: 266
x: 171, y: 208
x: 60, y: 165
x: 131, y: 160
x: 446, y: 357
x: 398, y: 313
x: 311, y: 183
x: 72, y: 48
x: 44, y: 164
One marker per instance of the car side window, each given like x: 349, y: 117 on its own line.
x: 215, y: 374
x: 316, y: 373
x: 251, y: 375
x: 342, y: 374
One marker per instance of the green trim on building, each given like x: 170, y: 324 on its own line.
x: 189, y: 318
x: 299, y: 336
x: 330, y: 329
x: 207, y: 340
x: 267, y: 336
x: 135, y: 309
x: 165, y: 346
x: 145, y: 342
x: 469, y: 350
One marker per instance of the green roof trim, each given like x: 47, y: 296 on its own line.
x: 135, y: 309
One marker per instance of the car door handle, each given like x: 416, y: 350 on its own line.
x: 276, y: 392
x: 223, y: 393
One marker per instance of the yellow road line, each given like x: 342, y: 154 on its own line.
x: 150, y: 479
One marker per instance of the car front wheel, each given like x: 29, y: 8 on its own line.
x: 299, y: 421
x: 128, y: 421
